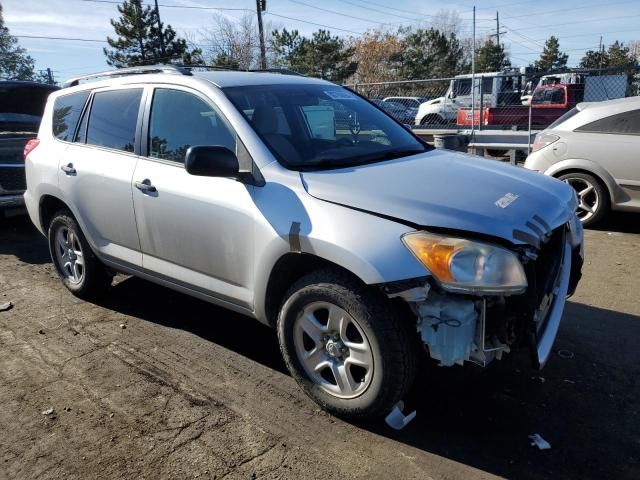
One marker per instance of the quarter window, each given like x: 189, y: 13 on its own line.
x: 626, y: 123
x: 180, y: 120
x: 66, y: 111
x: 113, y: 119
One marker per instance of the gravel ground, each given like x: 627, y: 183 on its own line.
x: 152, y: 384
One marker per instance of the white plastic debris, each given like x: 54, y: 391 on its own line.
x: 538, y: 441
x: 48, y: 411
x: 396, y: 419
x: 6, y: 306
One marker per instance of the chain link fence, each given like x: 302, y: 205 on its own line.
x: 509, y: 100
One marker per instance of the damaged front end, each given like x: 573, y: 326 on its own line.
x: 481, y: 325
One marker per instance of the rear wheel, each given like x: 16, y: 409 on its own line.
x: 345, y: 346
x: 593, y: 199
x: 80, y: 270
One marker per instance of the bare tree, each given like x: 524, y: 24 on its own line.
x: 233, y: 43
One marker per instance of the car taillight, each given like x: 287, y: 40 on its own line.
x: 542, y: 140
x: 488, y: 116
x: 30, y: 147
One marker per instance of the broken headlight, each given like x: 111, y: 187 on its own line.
x: 467, y: 266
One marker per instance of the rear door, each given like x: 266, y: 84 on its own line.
x: 614, y: 142
x: 194, y: 231
x: 96, y: 171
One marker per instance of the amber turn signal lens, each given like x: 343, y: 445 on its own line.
x: 434, y: 253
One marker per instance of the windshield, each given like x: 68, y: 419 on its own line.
x: 322, y: 126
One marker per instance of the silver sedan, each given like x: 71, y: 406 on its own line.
x: 595, y: 148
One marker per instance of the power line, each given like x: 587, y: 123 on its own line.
x: 60, y: 38
x: 599, y: 19
x: 342, y: 14
x: 313, y: 23
x: 577, y: 7
x: 192, y: 7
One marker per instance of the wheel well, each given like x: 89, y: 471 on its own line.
x: 431, y: 116
x: 49, y: 205
x: 586, y: 172
x: 287, y: 270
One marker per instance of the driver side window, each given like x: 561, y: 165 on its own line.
x: 180, y: 120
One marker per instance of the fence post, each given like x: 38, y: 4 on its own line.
x: 481, y: 107
x: 529, y: 142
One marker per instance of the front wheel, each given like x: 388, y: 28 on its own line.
x: 78, y: 267
x: 593, y: 199
x: 345, y: 346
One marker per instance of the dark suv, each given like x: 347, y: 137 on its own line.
x: 21, y: 107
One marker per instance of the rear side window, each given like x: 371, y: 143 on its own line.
x: 113, y: 119
x: 66, y: 111
x: 626, y: 123
x: 179, y: 120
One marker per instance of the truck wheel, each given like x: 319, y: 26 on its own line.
x: 344, y: 345
x: 593, y: 197
x: 80, y: 270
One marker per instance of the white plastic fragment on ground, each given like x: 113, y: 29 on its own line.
x: 6, y: 306
x: 538, y: 441
x: 396, y: 419
x: 48, y: 411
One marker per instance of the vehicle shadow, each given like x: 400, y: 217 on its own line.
x: 479, y: 417
x: 20, y: 238
x: 236, y: 332
x: 585, y: 403
x: 622, y: 222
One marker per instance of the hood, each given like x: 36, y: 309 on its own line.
x: 445, y: 189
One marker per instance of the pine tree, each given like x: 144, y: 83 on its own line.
x: 491, y: 57
x: 15, y: 64
x: 431, y: 54
x: 552, y: 58
x: 142, y: 40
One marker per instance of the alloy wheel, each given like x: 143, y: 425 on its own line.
x: 588, y: 198
x: 69, y: 254
x: 333, y: 350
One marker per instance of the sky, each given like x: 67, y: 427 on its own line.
x: 527, y: 24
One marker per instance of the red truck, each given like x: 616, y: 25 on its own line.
x: 548, y: 103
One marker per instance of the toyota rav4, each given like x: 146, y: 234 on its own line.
x: 362, y: 245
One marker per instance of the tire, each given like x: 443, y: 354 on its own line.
x: 592, y: 194
x: 78, y: 267
x: 312, y: 307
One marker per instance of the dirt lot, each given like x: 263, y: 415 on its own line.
x: 187, y: 390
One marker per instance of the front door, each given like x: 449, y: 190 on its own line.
x: 194, y: 231
x: 96, y: 171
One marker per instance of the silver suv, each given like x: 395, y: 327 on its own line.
x: 363, y: 246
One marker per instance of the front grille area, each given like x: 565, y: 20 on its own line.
x: 12, y: 179
x: 547, y: 265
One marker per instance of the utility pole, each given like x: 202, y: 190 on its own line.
x: 261, y: 6
x: 601, y: 52
x: 50, y: 77
x: 161, y: 35
x: 473, y: 75
x: 498, y: 32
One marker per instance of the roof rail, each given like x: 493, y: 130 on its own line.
x: 174, y: 69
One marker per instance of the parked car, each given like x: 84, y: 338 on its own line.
x: 409, y: 102
x: 237, y: 188
x: 21, y: 107
x: 398, y: 111
x: 594, y: 148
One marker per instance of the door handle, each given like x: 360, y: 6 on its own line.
x: 145, y: 186
x: 68, y: 169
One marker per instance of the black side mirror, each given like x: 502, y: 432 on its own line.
x: 211, y: 161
